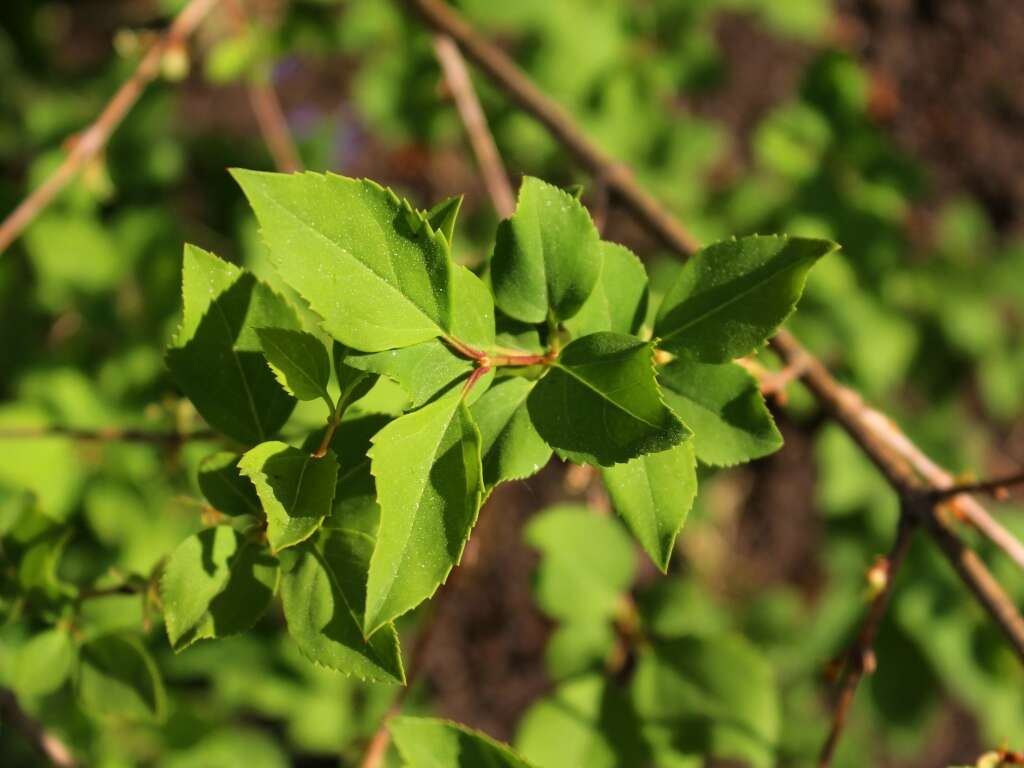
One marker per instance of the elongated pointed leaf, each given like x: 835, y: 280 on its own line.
x: 299, y: 360
x: 429, y: 485
x: 724, y: 407
x: 600, y: 402
x: 295, y: 490
x: 217, y: 358
x: 619, y: 300
x: 731, y: 296
x: 323, y: 593
x: 224, y: 487
x: 117, y: 678
x: 429, y: 743
x: 365, y: 260
x: 546, y: 257
x: 510, y: 445
x: 654, y: 493
x: 215, y: 584
x: 422, y: 370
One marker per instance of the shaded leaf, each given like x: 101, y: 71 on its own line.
x: 353, y: 383
x: 224, y: 487
x: 442, y: 216
x: 619, y: 300
x: 510, y: 445
x: 429, y: 743
x: 118, y: 679
x: 299, y: 360
x: 422, y: 370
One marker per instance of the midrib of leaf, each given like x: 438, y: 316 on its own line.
x: 604, y: 396
x: 335, y: 246
x: 753, y: 281
x: 301, y: 371
x: 241, y: 371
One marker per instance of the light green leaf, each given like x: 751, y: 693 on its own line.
x: 323, y: 592
x: 442, y: 216
x: 364, y: 259
x: 619, y: 300
x: 429, y: 743
x: 429, y: 486
x: 510, y: 445
x: 422, y: 370
x: 546, y: 257
x: 118, y: 679
x: 299, y: 360
x: 224, y: 487
x: 724, y: 407
x: 42, y: 664
x: 295, y: 489
x: 215, y: 584
x: 654, y: 493
x: 600, y: 402
x: 48, y: 467
x: 731, y: 296
x: 217, y: 358
x: 472, y: 309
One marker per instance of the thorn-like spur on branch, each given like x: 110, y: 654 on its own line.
x: 90, y: 142
x: 51, y: 748
x: 106, y: 435
x: 997, y: 487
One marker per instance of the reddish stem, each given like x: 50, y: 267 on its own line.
x: 474, y: 377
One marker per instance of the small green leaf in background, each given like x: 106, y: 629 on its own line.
x: 510, y: 445
x: 619, y: 300
x: 732, y: 296
x: 117, y: 678
x: 42, y: 664
x: 654, y: 493
x: 224, y: 487
x: 429, y: 743
x: 365, y: 260
x: 724, y: 407
x: 295, y: 489
x: 429, y: 486
x: 215, y: 584
x: 216, y: 357
x: 546, y: 257
x: 422, y: 370
x: 600, y: 402
x: 299, y: 360
x: 442, y: 217
x: 323, y: 593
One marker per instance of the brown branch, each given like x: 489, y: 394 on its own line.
x: 475, y: 122
x: 90, y: 142
x: 106, y: 434
x: 860, y: 656
x: 997, y: 487
x: 49, y: 746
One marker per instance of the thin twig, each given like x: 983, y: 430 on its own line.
x: 475, y: 122
x: 93, y: 139
x: 106, y: 435
x: 49, y: 746
x: 859, y: 658
x: 997, y: 487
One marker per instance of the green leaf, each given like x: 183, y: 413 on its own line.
x: 295, y: 489
x: 473, y: 317
x: 442, y: 217
x: 42, y: 664
x: 733, y: 295
x: 654, y: 493
x: 724, y: 407
x: 300, y: 362
x: 323, y: 592
x: 510, y: 445
x: 429, y: 743
x: 619, y: 300
x: 422, y: 370
x: 364, y: 260
x: 429, y: 486
x: 580, y: 583
x: 224, y: 487
x: 600, y: 402
x: 216, y: 357
x: 118, y: 679
x: 546, y: 257
x: 355, y: 496
x: 352, y: 382
x: 215, y: 584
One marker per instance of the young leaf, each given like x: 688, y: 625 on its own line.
x: 510, y: 445
x: 215, y: 584
x: 422, y: 370
x: 546, y: 257
x: 619, y: 300
x: 299, y: 360
x: 429, y: 486
x: 724, y: 407
x: 117, y: 678
x: 295, y: 489
x: 731, y: 296
x: 443, y: 215
x: 654, y: 493
x: 323, y: 593
x: 216, y: 357
x: 428, y: 743
x: 224, y: 487
x: 42, y: 664
x: 365, y: 260
x: 600, y: 402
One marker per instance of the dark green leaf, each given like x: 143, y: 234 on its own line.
x: 353, y: 383
x: 117, y: 678
x: 510, y: 445
x: 224, y: 487
x: 299, y: 360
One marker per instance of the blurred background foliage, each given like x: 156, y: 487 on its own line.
x: 804, y: 116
